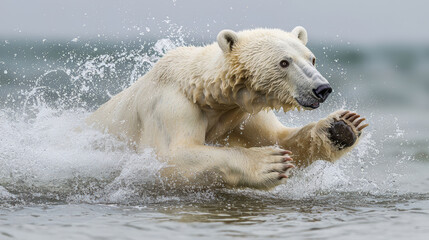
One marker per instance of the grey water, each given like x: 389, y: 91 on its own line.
x: 59, y: 183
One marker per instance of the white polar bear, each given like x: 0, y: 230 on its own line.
x: 207, y: 111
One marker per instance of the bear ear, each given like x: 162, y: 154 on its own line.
x: 301, y: 34
x: 226, y: 40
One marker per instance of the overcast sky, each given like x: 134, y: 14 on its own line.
x: 364, y: 21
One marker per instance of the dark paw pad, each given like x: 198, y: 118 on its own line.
x: 341, y: 134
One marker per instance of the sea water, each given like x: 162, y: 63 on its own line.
x: 60, y: 179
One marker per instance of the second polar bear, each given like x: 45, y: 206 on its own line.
x: 208, y: 111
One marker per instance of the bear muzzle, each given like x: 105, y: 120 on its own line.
x: 319, y: 95
x: 322, y: 92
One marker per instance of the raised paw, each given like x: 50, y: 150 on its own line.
x: 346, y: 129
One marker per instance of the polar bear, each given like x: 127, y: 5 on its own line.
x: 208, y: 111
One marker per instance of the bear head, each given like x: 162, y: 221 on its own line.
x: 273, y: 65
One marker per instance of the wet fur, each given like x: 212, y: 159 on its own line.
x: 207, y: 111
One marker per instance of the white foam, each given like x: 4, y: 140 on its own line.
x: 46, y: 150
x: 47, y: 154
x: 5, y: 195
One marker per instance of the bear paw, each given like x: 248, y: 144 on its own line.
x: 346, y: 129
x: 271, y: 167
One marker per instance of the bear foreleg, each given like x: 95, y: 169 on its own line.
x: 328, y: 139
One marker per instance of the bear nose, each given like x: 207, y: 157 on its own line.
x: 323, y: 91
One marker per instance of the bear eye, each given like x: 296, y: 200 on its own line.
x: 284, y: 63
x: 314, y: 61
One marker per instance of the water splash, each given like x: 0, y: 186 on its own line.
x: 48, y: 153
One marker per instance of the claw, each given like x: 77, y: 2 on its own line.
x: 362, y: 127
x: 286, y: 152
x: 354, y: 118
x: 347, y: 116
x: 359, y: 121
x: 287, y: 167
x: 344, y: 113
x: 282, y: 175
x: 287, y: 159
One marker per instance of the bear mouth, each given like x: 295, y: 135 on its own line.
x: 309, y: 104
